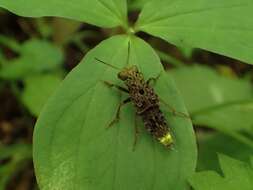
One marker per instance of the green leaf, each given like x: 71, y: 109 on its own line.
x: 37, y: 90
x: 223, y: 27
x: 74, y: 150
x: 209, y: 145
x: 203, y: 87
x: 104, y: 13
x: 232, y: 117
x: 237, y: 175
x: 35, y: 56
x: 216, y: 101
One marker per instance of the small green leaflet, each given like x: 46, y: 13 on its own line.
x: 18, y: 155
x: 35, y: 56
x: 210, y: 144
x: 237, y: 175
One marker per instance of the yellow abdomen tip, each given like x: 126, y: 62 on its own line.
x: 166, y: 140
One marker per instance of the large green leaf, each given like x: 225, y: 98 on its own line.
x: 237, y: 175
x: 74, y: 150
x: 223, y: 27
x: 231, y: 117
x: 203, y: 88
x: 105, y: 13
x: 216, y: 101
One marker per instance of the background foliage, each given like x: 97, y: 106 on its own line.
x: 72, y: 148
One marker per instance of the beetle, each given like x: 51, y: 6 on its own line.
x: 146, y: 102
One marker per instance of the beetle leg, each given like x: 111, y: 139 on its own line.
x: 154, y: 79
x: 174, y: 112
x: 117, y: 117
x: 136, y: 132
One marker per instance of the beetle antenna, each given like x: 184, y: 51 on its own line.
x: 128, y: 53
x: 112, y: 66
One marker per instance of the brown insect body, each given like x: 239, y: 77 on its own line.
x: 146, y: 102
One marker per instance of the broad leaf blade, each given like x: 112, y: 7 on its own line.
x: 216, y: 101
x: 104, y: 13
x: 223, y: 27
x: 231, y: 117
x: 74, y: 150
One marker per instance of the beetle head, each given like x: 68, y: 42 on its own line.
x: 128, y: 73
